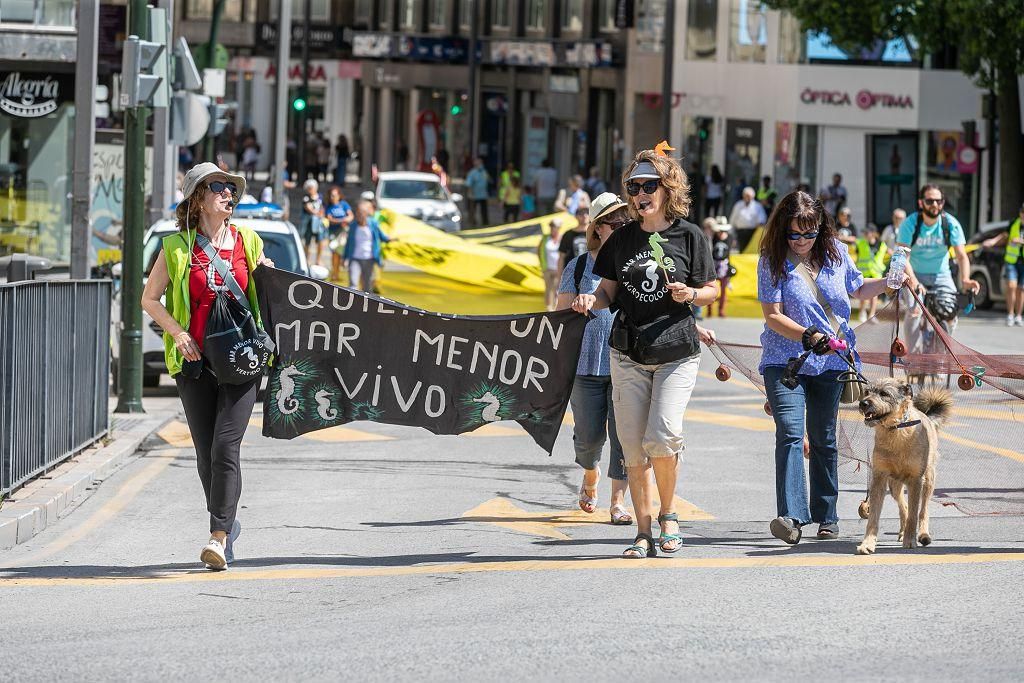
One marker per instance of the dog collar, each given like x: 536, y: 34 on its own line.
x: 906, y: 422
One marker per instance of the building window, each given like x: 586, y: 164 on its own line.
x: 386, y: 15
x: 499, y: 18
x: 319, y: 10
x: 536, y: 15
x: 439, y: 13
x: 792, y: 40
x: 572, y: 15
x: 203, y: 9
x: 701, y: 30
x: 748, y: 31
x: 606, y: 15
x: 364, y: 12
x: 465, y: 13
x: 407, y: 15
x: 650, y: 24
x: 38, y: 12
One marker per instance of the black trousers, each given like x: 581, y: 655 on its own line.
x: 217, y: 417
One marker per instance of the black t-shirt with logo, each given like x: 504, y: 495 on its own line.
x: 573, y: 244
x: 628, y: 257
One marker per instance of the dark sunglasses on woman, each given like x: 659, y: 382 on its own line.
x: 648, y: 187
x: 218, y: 186
x: 614, y: 225
x: 794, y: 236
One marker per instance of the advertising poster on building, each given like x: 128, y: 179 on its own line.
x: 105, y: 220
x: 894, y: 176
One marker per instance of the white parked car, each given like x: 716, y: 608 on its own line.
x: 420, y: 196
x: 281, y: 244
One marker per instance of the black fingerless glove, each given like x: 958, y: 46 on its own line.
x: 808, y: 335
x: 821, y: 347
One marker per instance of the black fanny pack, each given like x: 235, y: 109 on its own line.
x: 663, y: 340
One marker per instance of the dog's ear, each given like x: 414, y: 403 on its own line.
x: 907, y: 390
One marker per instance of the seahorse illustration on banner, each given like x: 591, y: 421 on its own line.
x: 285, y: 396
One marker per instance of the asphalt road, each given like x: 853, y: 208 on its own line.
x: 384, y: 553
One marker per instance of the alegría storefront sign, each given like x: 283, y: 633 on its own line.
x: 864, y: 99
x: 31, y: 94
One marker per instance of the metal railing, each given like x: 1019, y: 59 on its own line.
x: 54, y: 373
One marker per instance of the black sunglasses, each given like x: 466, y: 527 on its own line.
x: 218, y: 186
x: 614, y: 225
x: 648, y: 187
x: 930, y: 202
x: 794, y: 236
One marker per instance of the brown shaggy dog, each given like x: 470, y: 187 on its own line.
x: 905, y: 454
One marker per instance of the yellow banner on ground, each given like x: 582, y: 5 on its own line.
x: 522, y: 236
x: 472, y: 261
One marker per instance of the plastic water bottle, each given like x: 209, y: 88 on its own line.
x: 894, y: 279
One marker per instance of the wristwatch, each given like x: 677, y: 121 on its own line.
x: 694, y: 297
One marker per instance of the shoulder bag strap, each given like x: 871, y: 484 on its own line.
x: 578, y: 271
x: 813, y: 286
x: 223, y: 269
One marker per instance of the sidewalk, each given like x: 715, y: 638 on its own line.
x: 46, y: 499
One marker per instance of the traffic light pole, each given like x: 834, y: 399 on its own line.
x: 210, y: 144
x: 300, y: 143
x: 284, y: 49
x: 129, y: 395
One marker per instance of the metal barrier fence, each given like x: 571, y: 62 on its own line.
x: 54, y: 373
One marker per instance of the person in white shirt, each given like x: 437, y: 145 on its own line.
x: 747, y: 215
x: 891, y: 230
x: 545, y: 179
x: 549, y: 261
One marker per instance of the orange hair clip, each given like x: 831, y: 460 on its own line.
x: 662, y: 148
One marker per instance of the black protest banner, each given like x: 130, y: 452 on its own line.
x: 343, y: 356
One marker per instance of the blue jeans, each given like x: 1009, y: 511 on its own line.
x: 817, y: 399
x: 594, y: 416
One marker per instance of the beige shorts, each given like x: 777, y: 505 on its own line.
x: 649, y: 404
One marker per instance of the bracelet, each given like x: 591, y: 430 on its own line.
x: 694, y: 297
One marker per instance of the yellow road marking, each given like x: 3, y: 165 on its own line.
x: 896, y: 558
x: 959, y: 440
x: 568, y: 419
x: 336, y: 434
x: 749, y: 423
x: 504, y: 513
x: 125, y: 494
x: 176, y: 434
x: 985, y: 413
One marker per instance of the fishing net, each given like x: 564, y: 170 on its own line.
x: 981, y: 447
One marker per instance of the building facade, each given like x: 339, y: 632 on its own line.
x: 548, y: 75
x: 779, y: 102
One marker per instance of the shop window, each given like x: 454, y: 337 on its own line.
x: 701, y: 30
x: 748, y: 31
x: 792, y: 40
x: 572, y: 16
x: 35, y: 173
x: 742, y: 156
x: 606, y: 15
x: 439, y: 13
x: 536, y: 15
x: 319, y: 10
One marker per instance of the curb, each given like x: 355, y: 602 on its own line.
x: 42, y: 501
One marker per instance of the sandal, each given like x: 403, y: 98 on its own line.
x: 828, y: 532
x: 641, y: 552
x: 619, y: 515
x: 588, y: 503
x: 666, y: 537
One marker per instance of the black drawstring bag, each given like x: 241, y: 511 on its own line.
x: 235, y: 347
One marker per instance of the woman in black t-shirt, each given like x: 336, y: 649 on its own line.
x: 658, y: 270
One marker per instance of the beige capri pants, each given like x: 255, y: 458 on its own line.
x: 649, y: 404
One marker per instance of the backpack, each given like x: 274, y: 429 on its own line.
x: 945, y: 230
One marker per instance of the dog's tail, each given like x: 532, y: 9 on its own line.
x: 935, y: 403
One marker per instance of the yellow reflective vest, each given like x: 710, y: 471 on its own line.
x: 1013, y: 250
x: 871, y: 265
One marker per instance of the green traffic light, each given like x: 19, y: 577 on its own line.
x: 703, y: 133
x: 456, y: 110
x: 298, y: 104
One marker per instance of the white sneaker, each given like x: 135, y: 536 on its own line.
x: 213, y: 555
x: 1009, y: 320
x: 863, y: 317
x: 1018, y: 321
